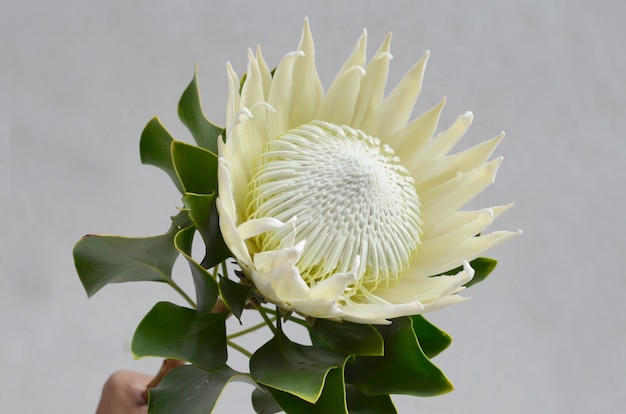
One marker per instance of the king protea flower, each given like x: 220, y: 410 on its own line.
x: 334, y: 205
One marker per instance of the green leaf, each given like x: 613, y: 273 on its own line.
x: 331, y: 401
x: 293, y: 368
x: 349, y: 338
x: 190, y: 113
x: 195, y: 167
x: 234, y: 295
x: 171, y: 331
x: 359, y: 403
x: 155, y: 149
x: 482, y: 266
x: 404, y: 369
x: 203, y: 213
x: 206, y: 286
x: 190, y: 390
x: 432, y: 340
x: 101, y: 260
x: 263, y: 402
x: 181, y: 220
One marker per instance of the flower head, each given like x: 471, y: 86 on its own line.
x: 334, y: 204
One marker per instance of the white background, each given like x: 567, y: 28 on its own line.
x: 80, y: 79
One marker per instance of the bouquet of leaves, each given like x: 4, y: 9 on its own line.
x: 330, y: 210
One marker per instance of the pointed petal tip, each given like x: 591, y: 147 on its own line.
x: 423, y: 61
x: 360, y: 44
x: 306, y: 27
x: 497, y: 139
x: 306, y: 40
x: 384, y: 50
x: 385, y: 47
x: 251, y: 57
x: 493, y: 166
x: 259, y: 55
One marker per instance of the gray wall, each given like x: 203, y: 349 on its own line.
x: 80, y: 80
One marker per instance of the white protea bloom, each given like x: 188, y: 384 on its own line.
x: 334, y: 205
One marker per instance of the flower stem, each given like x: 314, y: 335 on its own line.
x: 250, y: 329
x: 182, y: 293
x: 279, y: 322
x: 239, y: 348
x: 268, y: 321
x: 299, y: 321
x: 295, y: 319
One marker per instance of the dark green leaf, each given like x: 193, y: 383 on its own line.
x: 404, y: 369
x: 190, y: 113
x: 190, y: 390
x: 155, y: 149
x: 482, y: 266
x: 196, y: 168
x: 293, y: 368
x: 432, y: 340
x: 234, y: 295
x: 359, y: 403
x: 101, y: 260
x: 203, y: 212
x: 349, y: 338
x: 331, y: 401
x: 264, y: 403
x: 206, y: 286
x: 181, y: 220
x: 171, y: 331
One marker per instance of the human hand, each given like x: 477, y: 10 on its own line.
x: 124, y: 393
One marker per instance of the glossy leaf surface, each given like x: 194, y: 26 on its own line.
x: 195, y: 167
x: 432, y: 340
x: 101, y: 260
x: 171, y: 331
x: 190, y: 390
x: 331, y: 401
x: 206, y: 286
x: 264, y: 403
x: 190, y: 113
x: 203, y: 212
x: 404, y: 369
x: 155, y: 149
x: 359, y: 403
x: 234, y: 295
x: 349, y: 338
x: 293, y: 368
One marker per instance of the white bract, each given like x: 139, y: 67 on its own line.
x: 334, y: 205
